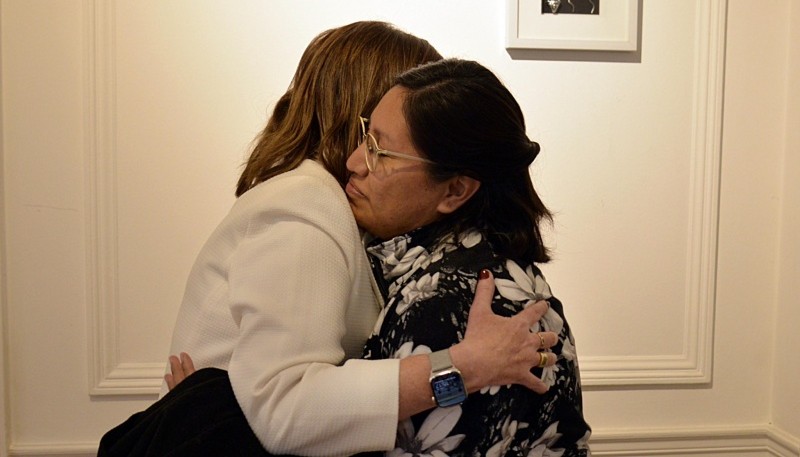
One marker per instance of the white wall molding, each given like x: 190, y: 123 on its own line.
x: 722, y: 441
x: 782, y: 443
x: 111, y: 376
x: 764, y: 440
x: 81, y: 449
x: 108, y: 374
x: 5, y: 417
x: 693, y: 365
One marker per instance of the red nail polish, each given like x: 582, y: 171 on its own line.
x: 484, y: 274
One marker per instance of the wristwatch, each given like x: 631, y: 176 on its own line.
x: 446, y: 381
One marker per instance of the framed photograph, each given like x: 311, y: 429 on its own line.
x: 582, y: 25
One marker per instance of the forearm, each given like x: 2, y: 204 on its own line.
x: 415, y: 389
x: 301, y: 307
x: 320, y: 409
x: 495, y: 351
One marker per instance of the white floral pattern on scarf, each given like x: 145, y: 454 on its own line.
x: 433, y: 438
x: 543, y: 447
x: 527, y: 286
x: 417, y: 290
x: 509, y: 430
x: 429, y: 288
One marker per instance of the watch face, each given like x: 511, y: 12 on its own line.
x: 448, y: 389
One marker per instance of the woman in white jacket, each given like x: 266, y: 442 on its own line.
x: 281, y: 295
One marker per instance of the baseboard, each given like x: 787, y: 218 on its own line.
x: 784, y: 444
x: 82, y: 449
x: 751, y: 441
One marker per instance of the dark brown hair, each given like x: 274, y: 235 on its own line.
x: 464, y: 119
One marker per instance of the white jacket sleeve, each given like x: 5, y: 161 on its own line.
x: 291, y: 283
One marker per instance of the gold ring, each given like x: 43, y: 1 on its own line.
x: 542, y: 359
x: 541, y: 340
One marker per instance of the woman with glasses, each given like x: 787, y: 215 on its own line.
x: 442, y: 180
x: 281, y: 295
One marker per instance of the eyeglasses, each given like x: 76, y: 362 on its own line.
x: 374, y: 152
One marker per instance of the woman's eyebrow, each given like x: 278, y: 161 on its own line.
x: 379, y: 134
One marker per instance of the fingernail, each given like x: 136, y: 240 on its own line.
x: 484, y: 274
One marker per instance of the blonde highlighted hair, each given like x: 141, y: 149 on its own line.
x: 342, y: 74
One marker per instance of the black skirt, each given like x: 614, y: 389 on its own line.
x: 199, y: 417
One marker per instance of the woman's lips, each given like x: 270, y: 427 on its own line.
x: 353, y: 191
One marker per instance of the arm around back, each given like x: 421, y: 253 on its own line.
x: 303, y: 301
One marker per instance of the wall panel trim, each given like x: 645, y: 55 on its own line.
x: 108, y: 374
x: 693, y: 365
x: 111, y: 376
x: 712, y: 441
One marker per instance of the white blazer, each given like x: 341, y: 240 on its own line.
x: 281, y: 295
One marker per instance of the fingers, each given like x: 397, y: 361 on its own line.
x: 494, y: 338
x: 537, y: 385
x: 482, y: 303
x: 176, y: 373
x: 176, y: 369
x: 544, y: 340
x: 180, y: 368
x: 546, y: 359
x: 534, y: 383
x: 187, y: 364
x: 533, y: 312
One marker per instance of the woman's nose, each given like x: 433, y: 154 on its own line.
x: 356, y: 163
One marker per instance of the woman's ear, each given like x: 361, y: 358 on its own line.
x: 459, y: 190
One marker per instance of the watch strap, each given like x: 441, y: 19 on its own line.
x: 440, y: 360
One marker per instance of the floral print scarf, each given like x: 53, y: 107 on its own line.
x: 428, y: 288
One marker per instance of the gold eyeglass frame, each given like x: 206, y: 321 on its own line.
x: 374, y: 151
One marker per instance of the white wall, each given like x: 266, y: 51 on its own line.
x: 124, y: 123
x: 4, y: 435
x: 786, y: 396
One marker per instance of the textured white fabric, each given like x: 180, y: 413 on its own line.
x: 281, y: 296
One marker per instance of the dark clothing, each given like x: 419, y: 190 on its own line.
x: 430, y: 287
x: 199, y: 417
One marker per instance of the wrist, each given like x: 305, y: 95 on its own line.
x: 447, y: 382
x: 464, y: 361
